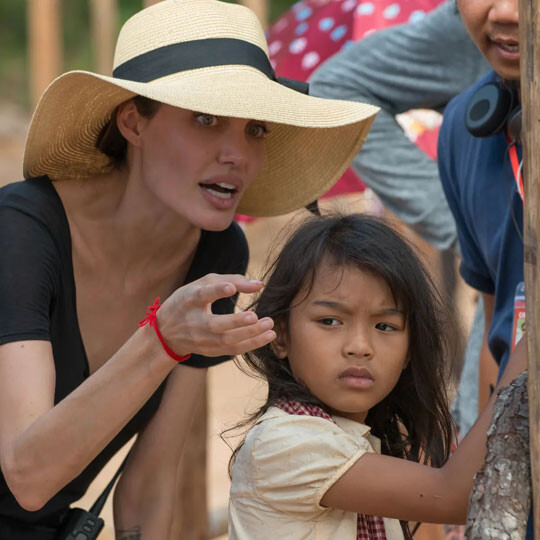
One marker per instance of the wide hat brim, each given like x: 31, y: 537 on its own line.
x: 310, y: 144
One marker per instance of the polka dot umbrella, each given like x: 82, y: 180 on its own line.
x: 313, y: 30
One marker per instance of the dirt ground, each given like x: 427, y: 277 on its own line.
x: 231, y: 393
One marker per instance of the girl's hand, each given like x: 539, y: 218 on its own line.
x: 188, y: 325
x: 516, y: 363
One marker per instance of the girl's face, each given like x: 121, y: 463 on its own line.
x: 347, y: 341
x: 199, y: 165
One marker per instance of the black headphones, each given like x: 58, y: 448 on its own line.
x: 492, y: 108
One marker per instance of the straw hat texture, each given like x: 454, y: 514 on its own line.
x: 211, y: 57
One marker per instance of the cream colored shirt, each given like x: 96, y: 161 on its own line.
x: 286, y: 465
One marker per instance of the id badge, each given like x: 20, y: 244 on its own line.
x: 519, y: 315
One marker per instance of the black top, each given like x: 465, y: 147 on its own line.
x: 37, y: 299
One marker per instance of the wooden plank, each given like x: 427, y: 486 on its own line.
x: 529, y: 37
x: 44, y: 44
x: 103, y: 19
x: 260, y: 7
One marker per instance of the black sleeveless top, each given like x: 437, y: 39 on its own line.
x: 37, y: 302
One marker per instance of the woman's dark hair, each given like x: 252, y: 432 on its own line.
x: 413, y: 421
x: 111, y: 142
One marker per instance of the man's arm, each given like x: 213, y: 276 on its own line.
x: 422, y: 64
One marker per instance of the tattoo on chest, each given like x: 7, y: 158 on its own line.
x: 133, y: 533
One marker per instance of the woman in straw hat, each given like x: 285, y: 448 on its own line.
x: 132, y: 182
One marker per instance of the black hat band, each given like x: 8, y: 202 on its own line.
x: 197, y: 54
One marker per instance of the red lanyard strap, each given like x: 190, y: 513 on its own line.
x: 516, y: 167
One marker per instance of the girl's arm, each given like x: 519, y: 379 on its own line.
x: 44, y: 446
x: 391, y: 487
x: 487, y: 366
x: 144, y: 500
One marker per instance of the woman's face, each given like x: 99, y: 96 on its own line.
x: 199, y: 165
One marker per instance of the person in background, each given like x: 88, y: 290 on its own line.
x: 480, y: 166
x: 419, y: 65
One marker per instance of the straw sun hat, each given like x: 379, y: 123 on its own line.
x: 210, y: 57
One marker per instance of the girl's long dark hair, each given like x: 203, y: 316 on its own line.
x: 413, y: 421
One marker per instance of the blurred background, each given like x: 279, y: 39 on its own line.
x: 71, y: 20
x: 39, y: 39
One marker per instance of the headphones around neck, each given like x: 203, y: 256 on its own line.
x: 492, y: 108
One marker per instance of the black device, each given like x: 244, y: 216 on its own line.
x: 492, y: 108
x: 82, y: 524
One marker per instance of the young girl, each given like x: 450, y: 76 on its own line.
x: 357, y: 369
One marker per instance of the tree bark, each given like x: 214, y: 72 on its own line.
x: 501, y: 496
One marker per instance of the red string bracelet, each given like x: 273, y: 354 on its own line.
x: 151, y: 319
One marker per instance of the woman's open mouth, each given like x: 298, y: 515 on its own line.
x: 222, y: 190
x: 222, y: 193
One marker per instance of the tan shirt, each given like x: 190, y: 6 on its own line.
x: 286, y: 465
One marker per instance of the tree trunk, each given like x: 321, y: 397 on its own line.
x: 501, y: 496
x: 260, y: 8
x: 44, y: 45
x: 104, y: 15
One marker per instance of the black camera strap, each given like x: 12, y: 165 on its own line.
x: 102, y: 499
x: 86, y: 524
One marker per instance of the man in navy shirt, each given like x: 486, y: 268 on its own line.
x: 479, y: 179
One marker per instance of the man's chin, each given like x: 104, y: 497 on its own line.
x: 510, y: 74
x: 513, y: 84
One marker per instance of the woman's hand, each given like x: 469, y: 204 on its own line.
x: 188, y: 325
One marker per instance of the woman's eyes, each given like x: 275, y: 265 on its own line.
x: 206, y: 119
x: 257, y: 130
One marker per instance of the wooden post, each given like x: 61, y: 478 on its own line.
x: 529, y: 38
x: 103, y: 14
x: 260, y: 7
x: 45, y: 44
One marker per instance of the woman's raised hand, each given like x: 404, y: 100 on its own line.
x: 188, y: 325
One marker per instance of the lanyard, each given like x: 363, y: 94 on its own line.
x: 516, y: 167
